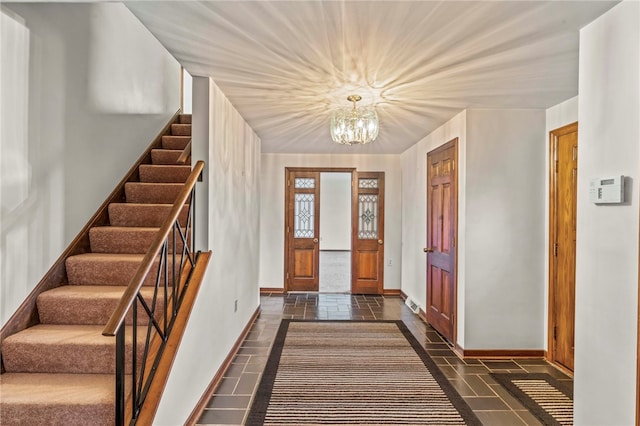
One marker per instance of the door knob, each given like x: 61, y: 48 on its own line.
x: 380, y: 242
x: 315, y: 240
x: 428, y: 250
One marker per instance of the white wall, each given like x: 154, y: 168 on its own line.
x: 557, y: 116
x: 607, y: 236
x: 560, y: 115
x: 70, y: 128
x: 505, y: 198
x: 414, y: 213
x: 272, y: 209
x: 335, y: 211
x: 232, y: 151
x: 187, y: 92
x: 201, y: 129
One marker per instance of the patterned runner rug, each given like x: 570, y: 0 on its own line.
x: 354, y: 372
x: 549, y: 399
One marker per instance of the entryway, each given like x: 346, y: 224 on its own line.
x: 347, y: 230
x: 335, y: 232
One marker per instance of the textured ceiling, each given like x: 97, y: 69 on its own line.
x: 286, y: 65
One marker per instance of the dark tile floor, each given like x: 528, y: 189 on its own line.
x: 491, y: 403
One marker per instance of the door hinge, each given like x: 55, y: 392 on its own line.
x: 556, y: 166
x: 555, y: 249
x: 555, y: 332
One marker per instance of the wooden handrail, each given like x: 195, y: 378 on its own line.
x: 130, y: 294
x: 186, y: 153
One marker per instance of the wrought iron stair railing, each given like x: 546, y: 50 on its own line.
x: 172, y: 278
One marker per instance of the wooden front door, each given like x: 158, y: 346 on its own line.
x: 302, y: 230
x: 367, y: 256
x: 441, y: 238
x: 564, y: 172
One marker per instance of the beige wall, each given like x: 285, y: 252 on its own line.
x: 505, y: 198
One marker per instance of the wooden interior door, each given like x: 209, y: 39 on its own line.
x: 367, y: 255
x: 564, y: 172
x: 441, y: 238
x: 302, y: 230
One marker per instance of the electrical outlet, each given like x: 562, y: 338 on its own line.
x: 235, y: 306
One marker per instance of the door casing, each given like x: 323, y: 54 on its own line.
x: 554, y: 135
x: 454, y: 224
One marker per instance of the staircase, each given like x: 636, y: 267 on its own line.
x: 61, y: 370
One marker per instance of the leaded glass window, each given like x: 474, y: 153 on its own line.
x: 304, y: 216
x: 367, y: 183
x: 367, y: 216
x: 304, y: 183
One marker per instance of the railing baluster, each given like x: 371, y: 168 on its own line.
x: 165, y: 257
x: 120, y: 351
x: 173, y: 283
x: 166, y: 284
x: 192, y: 207
x: 134, y: 363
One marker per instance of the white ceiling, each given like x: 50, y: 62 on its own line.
x: 286, y: 64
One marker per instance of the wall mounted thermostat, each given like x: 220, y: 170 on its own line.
x: 608, y: 190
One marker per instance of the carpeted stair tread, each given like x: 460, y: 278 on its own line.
x: 137, y: 214
x: 165, y: 156
x: 52, y: 348
x: 57, y: 399
x: 106, y: 269
x: 181, y: 129
x: 164, y: 173
x: 121, y: 239
x: 175, y: 142
x: 125, y: 239
x: 153, y: 193
x: 90, y: 304
x: 185, y: 118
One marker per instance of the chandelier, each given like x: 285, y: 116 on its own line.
x: 350, y: 126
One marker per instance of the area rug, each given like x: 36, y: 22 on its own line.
x: 549, y: 399
x: 353, y: 372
